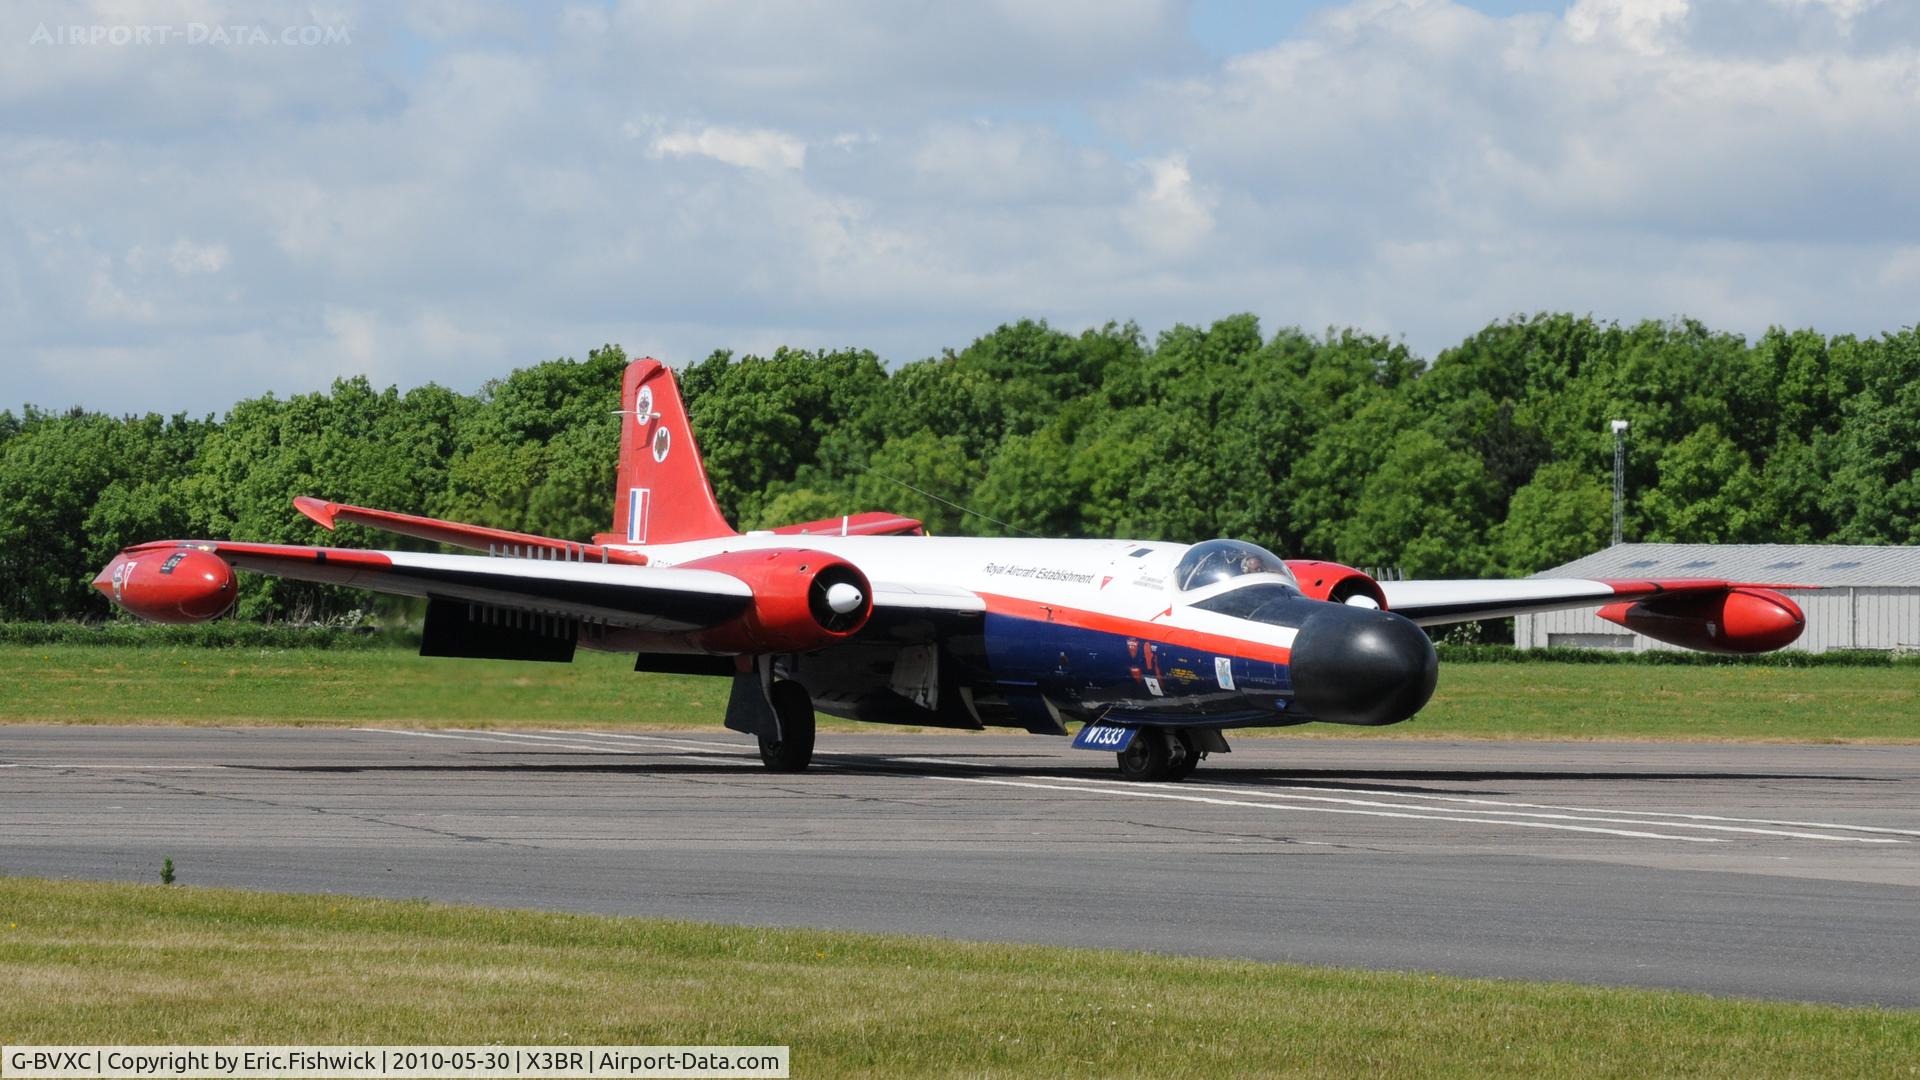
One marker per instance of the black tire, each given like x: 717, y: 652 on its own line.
x: 1189, y: 759
x: 1147, y: 758
x: 793, y: 750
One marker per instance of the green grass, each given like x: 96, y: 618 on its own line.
x: 1612, y: 701
x: 98, y: 963
x: 190, y: 685
x: 89, y: 684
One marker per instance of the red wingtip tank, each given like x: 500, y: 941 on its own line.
x: 1739, y: 620
x: 169, y: 585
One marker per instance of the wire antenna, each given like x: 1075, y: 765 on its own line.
x: 949, y: 502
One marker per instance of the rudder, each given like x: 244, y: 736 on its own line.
x: 662, y: 495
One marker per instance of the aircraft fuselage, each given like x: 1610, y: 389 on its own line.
x: 1088, y: 629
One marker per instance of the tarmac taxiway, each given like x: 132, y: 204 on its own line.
x: 1759, y: 870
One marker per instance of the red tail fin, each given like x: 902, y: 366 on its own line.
x: 662, y: 496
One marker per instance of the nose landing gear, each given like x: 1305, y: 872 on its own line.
x: 1159, y: 754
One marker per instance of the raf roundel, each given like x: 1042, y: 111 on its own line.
x: 661, y: 443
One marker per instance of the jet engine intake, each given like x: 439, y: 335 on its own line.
x: 1337, y: 584
x: 802, y: 600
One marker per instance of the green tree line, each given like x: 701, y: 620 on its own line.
x: 1492, y: 459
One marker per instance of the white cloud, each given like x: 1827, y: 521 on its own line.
x: 443, y: 335
x: 1901, y: 269
x: 982, y: 163
x: 464, y: 189
x: 746, y: 148
x: 1614, y: 161
x: 1170, y: 215
x: 171, y: 86
x: 1645, y: 26
x: 465, y: 18
x: 869, y: 62
x: 187, y: 258
x: 355, y: 334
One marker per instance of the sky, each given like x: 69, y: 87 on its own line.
x: 203, y: 201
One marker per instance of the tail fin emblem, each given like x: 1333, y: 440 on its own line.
x: 661, y: 494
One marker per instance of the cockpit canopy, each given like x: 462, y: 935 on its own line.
x: 1216, y: 561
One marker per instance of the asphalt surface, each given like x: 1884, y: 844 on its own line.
x: 1757, y: 870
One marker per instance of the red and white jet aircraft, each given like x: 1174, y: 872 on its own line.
x: 1158, y: 647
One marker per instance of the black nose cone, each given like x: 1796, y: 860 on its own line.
x: 1353, y: 665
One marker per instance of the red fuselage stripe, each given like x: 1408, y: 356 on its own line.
x: 1034, y: 610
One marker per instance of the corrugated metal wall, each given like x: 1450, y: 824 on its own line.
x: 1886, y: 614
x: 1853, y: 617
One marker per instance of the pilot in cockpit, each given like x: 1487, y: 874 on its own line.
x: 1214, y: 561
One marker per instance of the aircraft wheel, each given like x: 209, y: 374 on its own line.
x: 1188, y: 760
x: 793, y: 750
x: 1148, y: 758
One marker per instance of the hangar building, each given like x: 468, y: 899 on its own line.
x: 1867, y: 597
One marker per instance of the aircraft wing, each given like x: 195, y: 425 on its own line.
x: 641, y: 597
x: 920, y: 613
x: 871, y: 523
x: 636, y: 596
x: 1436, y: 603
x: 459, y: 534
x: 927, y: 598
x: 902, y: 613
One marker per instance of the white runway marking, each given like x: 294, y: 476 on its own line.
x: 528, y: 740
x: 1371, y: 802
x: 1637, y: 813
x: 695, y: 746
x: 487, y: 739
x: 1137, y: 793
x: 1633, y: 819
x: 704, y: 753
x: 108, y: 768
x: 522, y: 738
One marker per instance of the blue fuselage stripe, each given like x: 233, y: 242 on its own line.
x: 1097, y: 669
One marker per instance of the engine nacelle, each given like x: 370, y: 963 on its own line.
x: 1735, y: 621
x: 1337, y: 584
x: 169, y: 585
x: 802, y: 600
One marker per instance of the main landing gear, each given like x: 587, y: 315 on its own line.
x: 792, y: 749
x: 1157, y: 754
